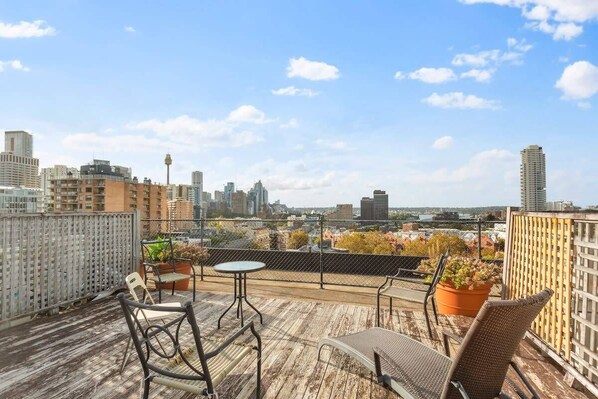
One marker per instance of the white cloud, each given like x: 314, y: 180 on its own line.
x: 560, y: 18
x: 433, y: 75
x: 443, y: 143
x: 294, y: 91
x: 578, y: 81
x: 563, y: 59
x: 482, y: 165
x: 17, y: 65
x: 195, y: 134
x: 285, y: 182
x: 584, y: 105
x: 130, y: 29
x: 479, y: 59
x: 312, y: 70
x: 400, y: 75
x: 567, y: 31
x: 291, y: 124
x: 25, y: 29
x: 248, y: 113
x: 460, y: 100
x: 298, y: 147
x: 479, y: 75
x: 332, y: 144
x: 116, y: 143
x: 519, y: 45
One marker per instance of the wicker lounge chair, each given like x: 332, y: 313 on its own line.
x: 478, y: 370
x: 160, y: 278
x: 197, y: 368
x: 415, y: 287
x: 134, y: 281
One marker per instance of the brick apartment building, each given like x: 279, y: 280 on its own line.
x: 107, y: 191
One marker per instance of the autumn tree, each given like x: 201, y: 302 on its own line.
x: 372, y: 242
x: 298, y: 239
x: 435, y: 246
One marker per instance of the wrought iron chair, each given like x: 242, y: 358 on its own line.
x: 479, y: 368
x: 158, y: 277
x: 134, y: 281
x: 422, y: 292
x: 197, y: 368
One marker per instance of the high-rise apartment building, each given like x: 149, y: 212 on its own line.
x: 380, y: 205
x: 342, y: 212
x: 239, y: 203
x: 180, y: 214
x: 19, y: 143
x: 197, y: 185
x: 257, y: 198
x: 533, y: 179
x: 47, y: 175
x: 184, y: 191
x: 19, y: 199
x: 229, y: 189
x: 367, y: 208
x: 18, y: 168
x: 110, y: 192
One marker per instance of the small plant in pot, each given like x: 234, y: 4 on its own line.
x: 465, y: 284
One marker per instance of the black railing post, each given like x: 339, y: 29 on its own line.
x: 321, y: 251
x: 201, y: 243
x: 479, y: 222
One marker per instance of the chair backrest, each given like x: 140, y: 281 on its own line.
x: 158, y: 345
x: 149, y: 246
x: 437, y: 273
x: 135, y: 280
x: 483, y: 359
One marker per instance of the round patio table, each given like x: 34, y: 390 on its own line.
x: 240, y: 270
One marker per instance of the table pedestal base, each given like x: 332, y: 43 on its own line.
x: 240, y: 296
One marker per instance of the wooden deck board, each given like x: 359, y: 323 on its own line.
x: 78, y: 354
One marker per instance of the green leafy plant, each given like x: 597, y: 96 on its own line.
x: 195, y: 252
x: 461, y: 271
x: 159, y: 251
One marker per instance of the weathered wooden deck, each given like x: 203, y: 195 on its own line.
x: 77, y: 354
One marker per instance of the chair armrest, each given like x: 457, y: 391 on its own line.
x: 181, y: 259
x: 445, y: 336
x: 412, y: 272
x: 408, y: 280
x: 153, y: 266
x: 229, y: 340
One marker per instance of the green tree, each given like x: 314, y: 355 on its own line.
x: 415, y: 247
x: 439, y: 243
x: 372, y: 242
x: 298, y: 239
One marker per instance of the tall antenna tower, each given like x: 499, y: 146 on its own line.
x: 168, y: 162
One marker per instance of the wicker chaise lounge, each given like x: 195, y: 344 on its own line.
x: 478, y: 369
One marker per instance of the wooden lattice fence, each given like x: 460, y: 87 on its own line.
x: 559, y: 251
x: 49, y: 260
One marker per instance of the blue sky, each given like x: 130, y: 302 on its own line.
x: 323, y: 101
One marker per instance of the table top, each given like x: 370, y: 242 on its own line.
x: 239, y: 267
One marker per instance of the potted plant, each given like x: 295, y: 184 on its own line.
x: 465, y: 284
x: 196, y: 255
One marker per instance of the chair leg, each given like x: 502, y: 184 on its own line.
x: 160, y: 294
x: 146, y: 387
x: 378, y: 310
x: 390, y: 308
x: 435, y: 311
x: 193, y: 277
x: 259, y: 375
x: 126, y: 356
x: 173, y: 285
x: 427, y: 319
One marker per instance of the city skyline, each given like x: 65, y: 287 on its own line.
x: 319, y: 111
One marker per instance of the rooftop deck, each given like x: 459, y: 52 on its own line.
x: 78, y: 353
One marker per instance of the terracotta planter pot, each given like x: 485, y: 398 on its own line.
x: 462, y: 301
x: 183, y: 267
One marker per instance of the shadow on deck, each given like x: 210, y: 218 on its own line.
x: 77, y: 354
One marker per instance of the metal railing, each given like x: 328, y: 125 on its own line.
x: 50, y: 260
x: 291, y: 247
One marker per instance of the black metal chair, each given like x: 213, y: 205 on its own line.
x: 421, y: 288
x: 196, y: 368
x: 160, y: 278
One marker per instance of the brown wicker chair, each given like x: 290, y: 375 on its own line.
x: 478, y: 370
